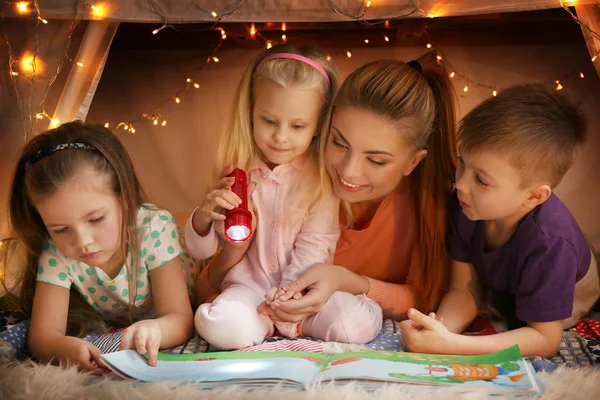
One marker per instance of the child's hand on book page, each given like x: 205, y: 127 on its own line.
x: 424, y: 333
x: 144, y: 336
x: 77, y: 351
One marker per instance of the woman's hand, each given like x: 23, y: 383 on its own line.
x: 320, y: 281
x: 144, y: 336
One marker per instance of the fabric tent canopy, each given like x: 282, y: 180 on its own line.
x: 182, y: 11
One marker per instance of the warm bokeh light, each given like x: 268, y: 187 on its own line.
x: 29, y: 64
x: 22, y: 7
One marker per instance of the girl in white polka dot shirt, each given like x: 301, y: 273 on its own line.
x: 76, y: 204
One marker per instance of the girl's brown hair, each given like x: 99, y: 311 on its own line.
x: 420, y: 97
x: 41, y: 179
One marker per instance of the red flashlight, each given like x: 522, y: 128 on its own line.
x: 238, y: 222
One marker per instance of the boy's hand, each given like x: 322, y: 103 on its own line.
x: 424, y: 334
x: 144, y: 336
x: 76, y: 351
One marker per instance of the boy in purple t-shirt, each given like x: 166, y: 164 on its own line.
x: 513, y: 243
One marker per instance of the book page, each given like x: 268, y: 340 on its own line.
x: 208, y: 367
x: 499, y: 372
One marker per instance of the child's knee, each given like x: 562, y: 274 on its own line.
x: 351, y: 319
x: 230, y: 325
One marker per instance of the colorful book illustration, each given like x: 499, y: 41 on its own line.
x: 502, y: 372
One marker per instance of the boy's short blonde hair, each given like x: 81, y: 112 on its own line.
x: 537, y: 128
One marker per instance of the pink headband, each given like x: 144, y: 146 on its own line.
x: 300, y: 58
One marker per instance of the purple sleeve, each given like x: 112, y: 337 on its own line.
x: 547, y: 286
x: 456, y: 245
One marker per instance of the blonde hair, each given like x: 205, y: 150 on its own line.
x: 237, y: 145
x: 44, y: 177
x: 537, y: 128
x: 421, y: 101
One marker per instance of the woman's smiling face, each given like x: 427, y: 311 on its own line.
x: 366, y: 155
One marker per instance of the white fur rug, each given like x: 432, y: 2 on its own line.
x: 20, y: 381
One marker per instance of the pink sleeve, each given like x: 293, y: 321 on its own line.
x: 394, y: 298
x: 316, y: 241
x: 200, y: 247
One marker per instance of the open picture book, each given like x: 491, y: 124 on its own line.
x: 502, y: 372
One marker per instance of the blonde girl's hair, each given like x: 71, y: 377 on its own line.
x: 419, y: 98
x: 40, y: 179
x: 237, y: 145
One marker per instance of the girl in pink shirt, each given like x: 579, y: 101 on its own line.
x: 283, y: 111
x: 391, y: 155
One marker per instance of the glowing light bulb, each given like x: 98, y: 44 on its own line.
x: 197, y: 85
x: 252, y: 30
x: 387, y: 39
x: 438, y: 57
x: 283, y: 26
x: 387, y: 24
x: 164, y: 123
x: 14, y: 73
x: 177, y: 100
x: 22, y: 7
x: 107, y: 125
x: 367, y: 41
x: 39, y: 115
x: 269, y: 45
x: 214, y: 14
x: 44, y: 21
x: 154, y: 32
x: 348, y: 54
x: 27, y: 63
x: 466, y: 88
x: 155, y: 122
x: 54, y: 122
x: 188, y: 80
x: 79, y: 64
x: 581, y: 75
x: 215, y: 59
x: 328, y: 57
x: 494, y: 93
x: 98, y: 10
x: 368, y: 4
x: 452, y: 74
x: 284, y: 38
x: 428, y: 45
x: 132, y: 129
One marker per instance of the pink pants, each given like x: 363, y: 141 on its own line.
x: 232, y: 321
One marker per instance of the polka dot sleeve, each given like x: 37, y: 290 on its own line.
x: 53, y: 268
x: 160, y: 243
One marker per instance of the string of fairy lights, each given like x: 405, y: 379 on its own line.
x: 29, y: 64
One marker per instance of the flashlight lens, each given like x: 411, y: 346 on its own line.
x: 238, y: 233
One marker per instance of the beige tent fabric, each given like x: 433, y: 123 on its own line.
x: 181, y: 11
x: 589, y: 16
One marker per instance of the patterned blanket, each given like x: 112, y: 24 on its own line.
x: 580, y: 345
